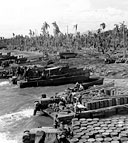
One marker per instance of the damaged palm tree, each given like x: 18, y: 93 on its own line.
x: 102, y: 38
x: 56, y: 32
x: 45, y: 33
x: 75, y: 27
x: 123, y: 27
x: 103, y: 25
x: 45, y: 28
x: 56, y: 29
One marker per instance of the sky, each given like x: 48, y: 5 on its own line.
x: 18, y: 16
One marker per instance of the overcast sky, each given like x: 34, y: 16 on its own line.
x: 18, y: 16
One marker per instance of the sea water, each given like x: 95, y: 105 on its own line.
x: 16, y: 110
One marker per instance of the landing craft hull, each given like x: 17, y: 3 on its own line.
x: 46, y: 101
x: 54, y: 82
x: 93, y: 81
x: 62, y: 81
x: 67, y: 55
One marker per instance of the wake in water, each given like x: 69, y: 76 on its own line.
x: 7, y: 85
x: 9, y: 121
x: 13, y: 117
x: 12, y: 125
x: 3, y: 83
x: 4, y: 139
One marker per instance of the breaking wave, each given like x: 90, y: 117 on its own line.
x: 13, y: 117
x: 8, y: 121
x: 4, y: 139
x: 3, y: 83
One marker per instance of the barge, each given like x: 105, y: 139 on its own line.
x: 67, y: 55
x: 57, y: 76
x: 92, y: 82
x: 92, y: 105
x: 52, y: 81
x: 95, y: 109
x: 62, y: 81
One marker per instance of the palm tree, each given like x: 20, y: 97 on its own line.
x: 30, y: 33
x: 103, y: 25
x: 116, y: 29
x: 123, y: 27
x: 102, y: 41
x: 75, y: 27
x: 56, y: 29
x: 45, y: 27
x: 13, y: 34
x: 33, y: 33
x: 99, y: 30
x: 56, y: 32
x: 13, y: 39
x: 116, y: 35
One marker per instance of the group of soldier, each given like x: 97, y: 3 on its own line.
x: 71, y: 98
x: 24, y: 72
x: 30, y: 138
x: 66, y: 131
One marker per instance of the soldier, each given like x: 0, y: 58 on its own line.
x: 68, y: 130
x: 25, y: 74
x: 63, y: 135
x: 56, y: 121
x: 81, y: 87
x: 42, y: 140
x: 43, y: 96
x: 76, y: 87
x: 26, y: 137
x: 57, y: 139
x: 37, y: 107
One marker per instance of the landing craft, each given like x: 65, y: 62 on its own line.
x: 40, y: 135
x: 44, y: 104
x: 67, y: 55
x: 57, y: 76
x: 21, y: 59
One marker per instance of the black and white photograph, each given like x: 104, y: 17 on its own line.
x: 63, y: 71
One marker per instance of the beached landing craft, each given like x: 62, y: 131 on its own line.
x: 57, y: 76
x: 44, y: 102
x: 40, y: 135
x: 67, y: 55
x: 107, y: 105
x: 7, y: 56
